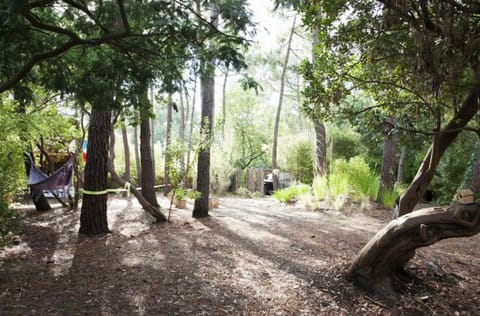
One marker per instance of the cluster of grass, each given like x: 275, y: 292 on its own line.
x: 388, y: 197
x: 351, y: 179
x: 292, y: 193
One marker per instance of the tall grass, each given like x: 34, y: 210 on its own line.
x: 352, y: 179
x: 291, y: 193
x: 388, y: 197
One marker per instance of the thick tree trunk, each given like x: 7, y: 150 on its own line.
x: 425, y: 173
x: 276, y: 182
x: 93, y: 216
x: 126, y: 152
x: 401, y: 164
x: 387, y: 176
x: 148, y: 190
x: 320, y: 148
x: 207, y: 86
x: 380, y: 265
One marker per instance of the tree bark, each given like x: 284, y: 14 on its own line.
x: 276, y: 182
x: 320, y: 134
x: 401, y: 164
x: 425, y: 173
x: 126, y: 152
x: 168, y: 143
x: 320, y: 148
x: 148, y: 190
x: 93, y: 216
x: 380, y: 265
x: 474, y: 181
x: 387, y: 175
x: 136, y: 150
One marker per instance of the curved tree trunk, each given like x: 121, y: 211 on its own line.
x: 93, y: 216
x: 152, y: 210
x: 380, y: 265
x: 425, y: 173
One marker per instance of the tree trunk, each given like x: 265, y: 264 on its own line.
x: 276, y: 182
x: 320, y: 134
x: 126, y: 151
x: 387, y: 175
x: 181, y: 132
x: 401, y: 164
x: 224, y: 102
x: 148, y: 190
x: 320, y: 148
x: 168, y: 143
x: 192, y: 113
x: 380, y: 265
x: 93, y: 216
x: 138, y: 166
x: 207, y: 86
x: 474, y: 181
x: 425, y: 173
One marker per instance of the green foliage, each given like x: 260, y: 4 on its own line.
x: 363, y: 182
x: 291, y: 193
x: 300, y: 161
x: 388, y: 197
x: 450, y: 173
x: 8, y: 220
x: 353, y: 179
x: 12, y: 170
x: 345, y: 142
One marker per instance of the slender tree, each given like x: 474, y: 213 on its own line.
x: 276, y: 183
x: 207, y: 88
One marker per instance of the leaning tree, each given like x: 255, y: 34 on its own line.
x: 420, y: 61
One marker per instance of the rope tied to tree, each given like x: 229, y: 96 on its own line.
x: 126, y: 188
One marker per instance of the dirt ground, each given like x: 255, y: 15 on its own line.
x: 250, y: 257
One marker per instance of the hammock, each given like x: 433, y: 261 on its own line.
x: 38, y: 181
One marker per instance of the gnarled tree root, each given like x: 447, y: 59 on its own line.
x: 380, y: 265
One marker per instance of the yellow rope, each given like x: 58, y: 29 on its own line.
x: 126, y: 188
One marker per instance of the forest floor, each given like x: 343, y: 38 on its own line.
x: 250, y: 257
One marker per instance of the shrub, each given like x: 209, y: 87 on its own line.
x: 8, y: 221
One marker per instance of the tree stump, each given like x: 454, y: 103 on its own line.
x: 380, y: 265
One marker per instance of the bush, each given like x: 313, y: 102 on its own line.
x: 8, y: 221
x: 291, y: 193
